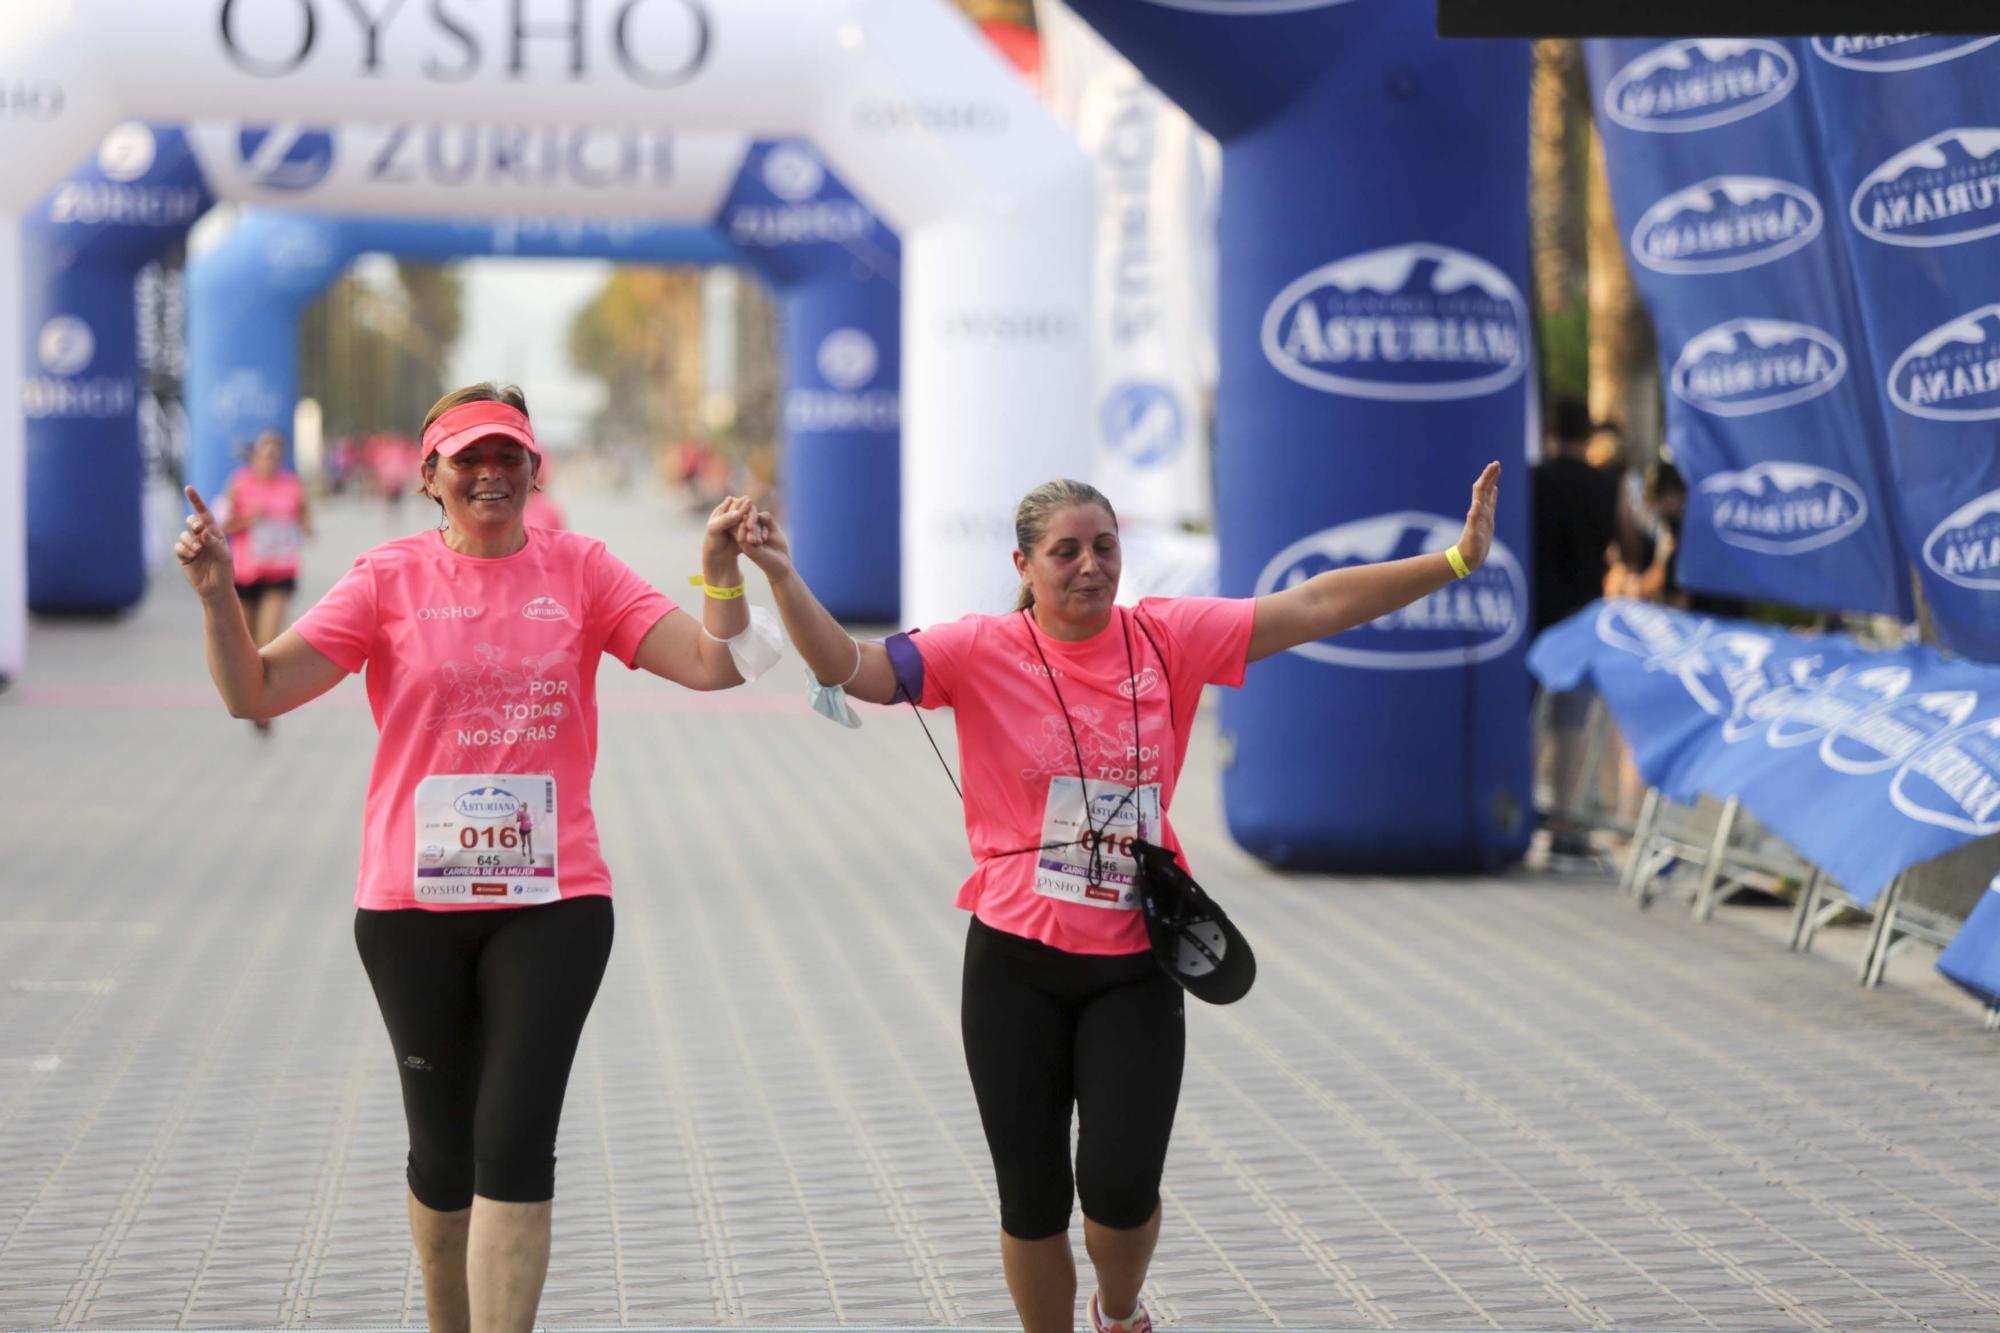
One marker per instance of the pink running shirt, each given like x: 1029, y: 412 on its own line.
x: 1017, y: 761
x: 269, y: 547
x: 480, y: 666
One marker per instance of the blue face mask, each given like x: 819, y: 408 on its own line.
x: 830, y: 702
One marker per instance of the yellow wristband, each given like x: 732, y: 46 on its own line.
x: 1457, y: 563
x: 710, y: 590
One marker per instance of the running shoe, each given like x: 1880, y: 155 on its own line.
x: 1137, y: 1322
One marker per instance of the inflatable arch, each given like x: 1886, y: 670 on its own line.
x: 906, y: 101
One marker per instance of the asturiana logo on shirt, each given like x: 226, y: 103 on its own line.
x: 1784, y: 508
x: 1135, y: 687
x: 545, y: 608
x: 1698, y: 83
x: 1952, y: 373
x: 1408, y: 323
x: 1888, y: 53
x: 1467, y: 620
x: 1944, y: 190
x: 487, y: 803
x: 1742, y: 366
x: 1726, y: 223
x: 1965, y: 548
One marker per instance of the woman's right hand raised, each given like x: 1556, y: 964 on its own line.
x: 204, y: 552
x: 764, y: 542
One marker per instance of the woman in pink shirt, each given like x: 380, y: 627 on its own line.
x: 1073, y: 716
x: 267, y: 519
x: 485, y: 947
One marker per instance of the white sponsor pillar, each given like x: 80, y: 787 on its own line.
x: 13, y: 460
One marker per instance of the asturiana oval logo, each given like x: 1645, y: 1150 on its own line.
x: 1952, y: 373
x: 1726, y: 223
x: 1743, y: 366
x: 1844, y: 696
x: 545, y: 607
x: 1469, y: 620
x: 1889, y: 53
x: 1954, y: 781
x: 1879, y: 738
x: 1942, y: 191
x: 487, y: 803
x: 1409, y: 323
x: 1784, y: 508
x: 1699, y: 83
x: 1965, y: 548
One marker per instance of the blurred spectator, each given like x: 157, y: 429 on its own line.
x: 1650, y: 569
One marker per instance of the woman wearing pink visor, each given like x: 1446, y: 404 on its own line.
x: 481, y: 642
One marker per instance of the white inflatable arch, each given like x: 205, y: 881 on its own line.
x: 905, y: 99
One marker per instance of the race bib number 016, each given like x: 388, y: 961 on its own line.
x: 1115, y: 818
x: 486, y: 838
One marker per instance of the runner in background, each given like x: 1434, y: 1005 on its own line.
x: 267, y: 519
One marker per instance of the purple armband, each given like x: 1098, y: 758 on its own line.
x: 908, y: 664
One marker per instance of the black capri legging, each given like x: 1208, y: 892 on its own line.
x: 484, y: 1009
x: 1045, y: 1029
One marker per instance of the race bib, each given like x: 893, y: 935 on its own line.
x: 1063, y: 870
x: 486, y: 837
x: 274, y: 540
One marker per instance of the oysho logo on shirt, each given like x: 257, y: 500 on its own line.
x: 1743, y: 366
x: 1952, y: 373
x: 545, y: 608
x: 1942, y: 191
x: 1965, y: 548
x: 1409, y: 323
x: 1698, y: 83
x: 1468, y: 620
x: 1725, y: 224
x: 448, y: 612
x: 1784, y: 508
x: 1889, y: 53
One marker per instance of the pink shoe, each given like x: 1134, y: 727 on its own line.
x: 1136, y: 1322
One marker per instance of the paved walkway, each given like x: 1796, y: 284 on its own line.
x: 1501, y: 1103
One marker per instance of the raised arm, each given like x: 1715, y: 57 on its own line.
x: 691, y: 652
x: 834, y: 656
x: 1326, y: 604
x: 254, y: 683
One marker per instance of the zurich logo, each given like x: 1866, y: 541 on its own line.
x: 65, y: 346
x: 1142, y: 422
x: 1410, y: 323
x: 127, y: 152
x: 1844, y: 696
x: 1879, y: 738
x: 1469, y: 620
x: 285, y: 157
x: 1965, y: 548
x: 1784, y: 508
x: 487, y: 803
x: 1743, y: 366
x: 244, y: 395
x: 1724, y: 224
x: 1952, y: 373
x: 1954, y: 781
x: 792, y: 173
x: 1891, y: 52
x: 1699, y: 83
x: 847, y: 358
x: 1943, y: 191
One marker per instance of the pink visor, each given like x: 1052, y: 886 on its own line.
x: 469, y: 423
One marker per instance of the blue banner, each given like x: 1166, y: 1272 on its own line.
x: 83, y: 389
x: 837, y: 271
x: 1738, y: 247
x: 1972, y: 959
x: 1374, y: 352
x: 1912, y: 146
x: 1866, y: 762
